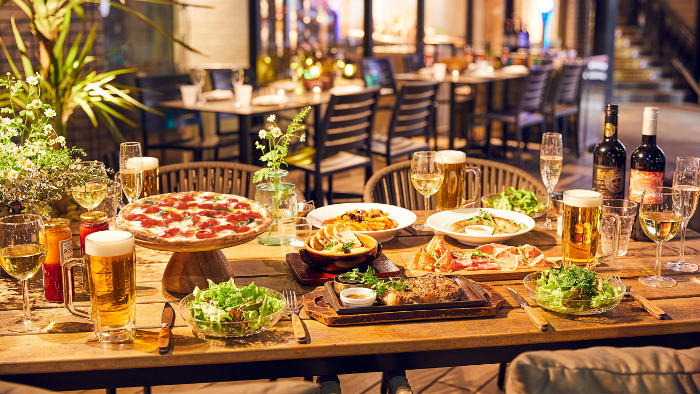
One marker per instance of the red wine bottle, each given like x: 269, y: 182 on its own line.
x: 647, y: 166
x: 610, y: 159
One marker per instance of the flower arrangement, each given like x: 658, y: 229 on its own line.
x: 36, y: 166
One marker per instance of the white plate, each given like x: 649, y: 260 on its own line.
x: 403, y: 217
x: 441, y: 221
x: 270, y: 99
x: 218, y: 94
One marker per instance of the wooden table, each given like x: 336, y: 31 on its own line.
x: 68, y: 357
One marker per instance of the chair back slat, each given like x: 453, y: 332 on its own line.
x: 413, y: 110
x: 534, y: 93
x: 569, y: 86
x: 378, y: 72
x: 211, y: 176
x: 413, y: 62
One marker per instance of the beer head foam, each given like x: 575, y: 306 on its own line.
x: 109, y: 243
x: 452, y: 157
x: 583, y: 198
x: 150, y: 163
x: 134, y: 163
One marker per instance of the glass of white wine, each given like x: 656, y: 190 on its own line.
x: 131, y: 169
x: 551, y: 158
x: 427, y: 174
x: 94, y: 190
x: 686, y: 179
x: 660, y: 217
x: 21, y: 255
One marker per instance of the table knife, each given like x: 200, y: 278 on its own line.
x: 534, y: 316
x: 167, y: 320
x: 648, y: 306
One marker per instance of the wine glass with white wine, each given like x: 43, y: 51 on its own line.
x: 551, y: 158
x: 131, y: 169
x: 427, y: 174
x: 22, y: 253
x: 94, y: 189
x: 686, y: 179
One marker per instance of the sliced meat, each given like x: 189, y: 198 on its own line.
x: 426, y: 289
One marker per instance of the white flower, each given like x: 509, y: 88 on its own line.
x: 271, y: 118
x: 34, y: 104
x: 12, y: 175
x: 262, y: 134
x: 60, y: 140
x: 34, y: 80
x: 48, y: 128
x: 302, y: 137
x: 276, y: 132
x: 50, y: 113
x: 11, y: 132
x: 5, y: 121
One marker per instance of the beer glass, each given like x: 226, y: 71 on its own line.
x: 109, y: 259
x: 581, y: 228
x: 452, y: 194
x: 131, y: 169
x: 660, y: 217
x: 151, y: 183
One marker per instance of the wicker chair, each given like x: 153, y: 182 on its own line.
x: 211, y: 176
x: 392, y: 184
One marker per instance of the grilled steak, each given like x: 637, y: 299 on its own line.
x: 426, y: 289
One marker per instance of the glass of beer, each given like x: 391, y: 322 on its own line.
x: 452, y: 194
x: 109, y: 260
x: 660, y: 217
x: 581, y: 228
x: 131, y: 169
x: 151, y: 183
x: 22, y: 253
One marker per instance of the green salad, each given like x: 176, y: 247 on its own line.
x: 563, y: 288
x: 521, y: 200
x: 250, y: 306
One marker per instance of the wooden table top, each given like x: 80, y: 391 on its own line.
x: 69, y: 357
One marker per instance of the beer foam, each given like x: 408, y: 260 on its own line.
x: 150, y: 163
x: 452, y: 157
x: 583, y: 198
x: 134, y: 163
x: 109, y: 243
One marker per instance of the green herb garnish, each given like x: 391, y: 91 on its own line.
x: 330, y: 245
x: 370, y: 278
x: 347, y: 246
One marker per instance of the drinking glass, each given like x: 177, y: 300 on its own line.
x: 131, y: 169
x: 237, y: 82
x: 427, y: 174
x: 293, y: 234
x: 551, y: 157
x: 686, y: 179
x: 660, y: 217
x: 21, y: 255
x: 198, y: 75
x: 90, y: 194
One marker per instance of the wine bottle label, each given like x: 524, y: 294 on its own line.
x: 65, y: 248
x: 644, y: 180
x: 609, y: 181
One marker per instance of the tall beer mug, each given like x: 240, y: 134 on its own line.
x: 453, y: 192
x: 151, y: 182
x: 583, y: 214
x: 109, y: 259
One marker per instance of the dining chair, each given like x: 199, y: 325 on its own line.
x: 378, y: 72
x: 413, y: 62
x: 210, y: 176
x: 165, y: 124
x: 221, y: 79
x: 565, y: 106
x: 392, y: 184
x: 527, y: 111
x: 341, y: 142
x: 412, y: 116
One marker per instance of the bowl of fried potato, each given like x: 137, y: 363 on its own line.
x: 337, y: 245
x: 380, y: 221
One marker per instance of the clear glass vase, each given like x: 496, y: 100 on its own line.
x: 281, y: 198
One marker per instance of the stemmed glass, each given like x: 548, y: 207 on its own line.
x: 198, y: 74
x: 660, y: 218
x: 236, y: 82
x: 686, y: 179
x: 131, y: 169
x: 91, y: 194
x: 551, y: 157
x: 427, y: 174
x: 21, y: 255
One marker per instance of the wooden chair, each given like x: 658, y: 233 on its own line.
x: 566, y: 103
x: 210, y: 176
x: 378, y: 72
x: 222, y: 79
x: 165, y: 123
x: 528, y: 110
x: 412, y: 116
x: 342, y: 142
x: 392, y: 184
x: 413, y: 62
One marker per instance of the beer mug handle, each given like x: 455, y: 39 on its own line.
x: 68, y: 272
x: 476, y: 187
x: 616, y: 236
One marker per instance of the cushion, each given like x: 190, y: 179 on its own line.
x: 606, y: 369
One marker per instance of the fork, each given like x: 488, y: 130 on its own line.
x: 648, y: 306
x: 292, y: 309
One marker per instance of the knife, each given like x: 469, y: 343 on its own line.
x: 648, y: 306
x: 164, y: 337
x: 534, y: 316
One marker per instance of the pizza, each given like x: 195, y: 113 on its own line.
x: 194, y: 218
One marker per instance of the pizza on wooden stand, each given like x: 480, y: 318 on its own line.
x: 195, y: 219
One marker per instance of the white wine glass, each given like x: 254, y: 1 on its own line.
x: 94, y: 190
x: 686, y: 179
x: 551, y: 158
x: 131, y: 169
x: 198, y: 75
x: 660, y: 218
x: 21, y: 255
x: 237, y: 82
x: 427, y: 174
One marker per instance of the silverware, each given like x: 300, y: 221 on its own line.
x: 292, y: 309
x: 645, y: 303
x: 167, y: 320
x: 534, y: 316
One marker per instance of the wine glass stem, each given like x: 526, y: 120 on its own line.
x: 681, y: 260
x: 427, y: 202
x: 25, y: 299
x: 549, y: 205
x: 658, y: 259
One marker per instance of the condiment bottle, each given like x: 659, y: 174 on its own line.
x: 91, y: 222
x: 59, y: 248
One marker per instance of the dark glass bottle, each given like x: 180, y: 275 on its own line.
x: 610, y: 159
x: 647, y: 166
